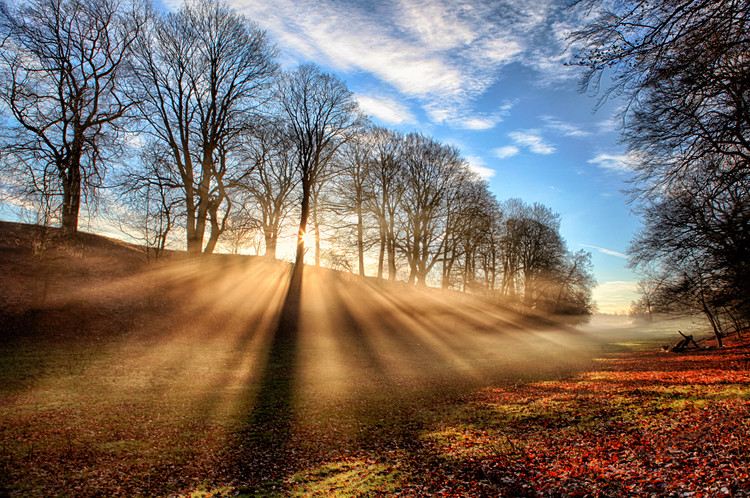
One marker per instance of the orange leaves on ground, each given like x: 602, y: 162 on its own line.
x: 646, y: 423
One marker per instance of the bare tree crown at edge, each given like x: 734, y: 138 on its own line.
x: 64, y: 64
x: 203, y: 72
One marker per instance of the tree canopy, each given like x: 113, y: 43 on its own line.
x: 683, y: 70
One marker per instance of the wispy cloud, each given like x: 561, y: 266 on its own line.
x: 482, y: 120
x: 507, y: 151
x: 477, y: 165
x: 607, y: 125
x: 442, y: 53
x: 479, y: 123
x: 563, y: 128
x: 385, y: 109
x: 609, y: 252
x: 621, y: 163
x: 532, y: 140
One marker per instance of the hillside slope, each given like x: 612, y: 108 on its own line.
x: 213, y: 370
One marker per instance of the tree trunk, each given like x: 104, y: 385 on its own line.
x: 381, y: 255
x: 71, y: 198
x: 714, y: 324
x: 200, y: 230
x: 360, y: 240
x: 270, y: 246
x: 391, y: 246
x: 196, y: 227
x: 447, y: 267
x: 316, y: 231
x: 213, y: 238
x: 194, y: 243
x: 304, y: 213
x: 316, y: 228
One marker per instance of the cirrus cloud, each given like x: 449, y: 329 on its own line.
x: 442, y: 53
x: 385, y: 109
x: 506, y: 151
x: 606, y: 251
x: 532, y: 140
x: 476, y: 164
x: 621, y: 163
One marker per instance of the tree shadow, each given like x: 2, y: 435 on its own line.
x: 264, y: 444
x: 352, y: 370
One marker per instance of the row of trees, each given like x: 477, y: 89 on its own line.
x: 684, y: 70
x: 214, y: 142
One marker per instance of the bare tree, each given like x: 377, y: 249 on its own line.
x: 510, y: 240
x: 491, y: 252
x: 386, y: 187
x: 268, y: 194
x: 542, y: 251
x: 574, y: 281
x: 433, y: 172
x: 323, y: 203
x: 64, y: 65
x: 241, y: 230
x: 202, y: 72
x: 352, y: 190
x: 700, y: 239
x: 533, y: 252
x: 682, y: 68
x: 322, y: 114
x: 470, y: 211
x: 651, y: 280
x: 148, y: 209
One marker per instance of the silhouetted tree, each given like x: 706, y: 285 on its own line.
x: 701, y: 240
x: 352, y: 190
x: 64, y: 67
x: 574, y: 282
x: 534, y: 257
x: 470, y: 219
x: 268, y: 194
x: 386, y: 187
x: 202, y: 72
x: 683, y: 69
x: 514, y: 210
x: 321, y: 114
x: 432, y: 171
x: 148, y: 208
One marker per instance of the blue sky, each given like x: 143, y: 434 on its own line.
x: 489, y: 77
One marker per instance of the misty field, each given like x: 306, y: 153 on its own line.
x: 235, y: 376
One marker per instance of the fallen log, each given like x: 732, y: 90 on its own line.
x: 682, y: 345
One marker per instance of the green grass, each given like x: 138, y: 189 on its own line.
x: 346, y: 479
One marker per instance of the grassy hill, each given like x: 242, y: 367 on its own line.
x: 109, y: 359
x: 227, y: 375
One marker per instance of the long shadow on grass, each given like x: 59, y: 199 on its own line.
x: 265, y: 442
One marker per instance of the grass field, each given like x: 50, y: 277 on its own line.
x: 230, y: 377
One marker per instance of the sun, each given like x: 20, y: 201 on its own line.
x: 308, y: 238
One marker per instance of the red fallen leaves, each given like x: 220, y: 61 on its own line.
x: 643, y: 424
x: 646, y: 424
